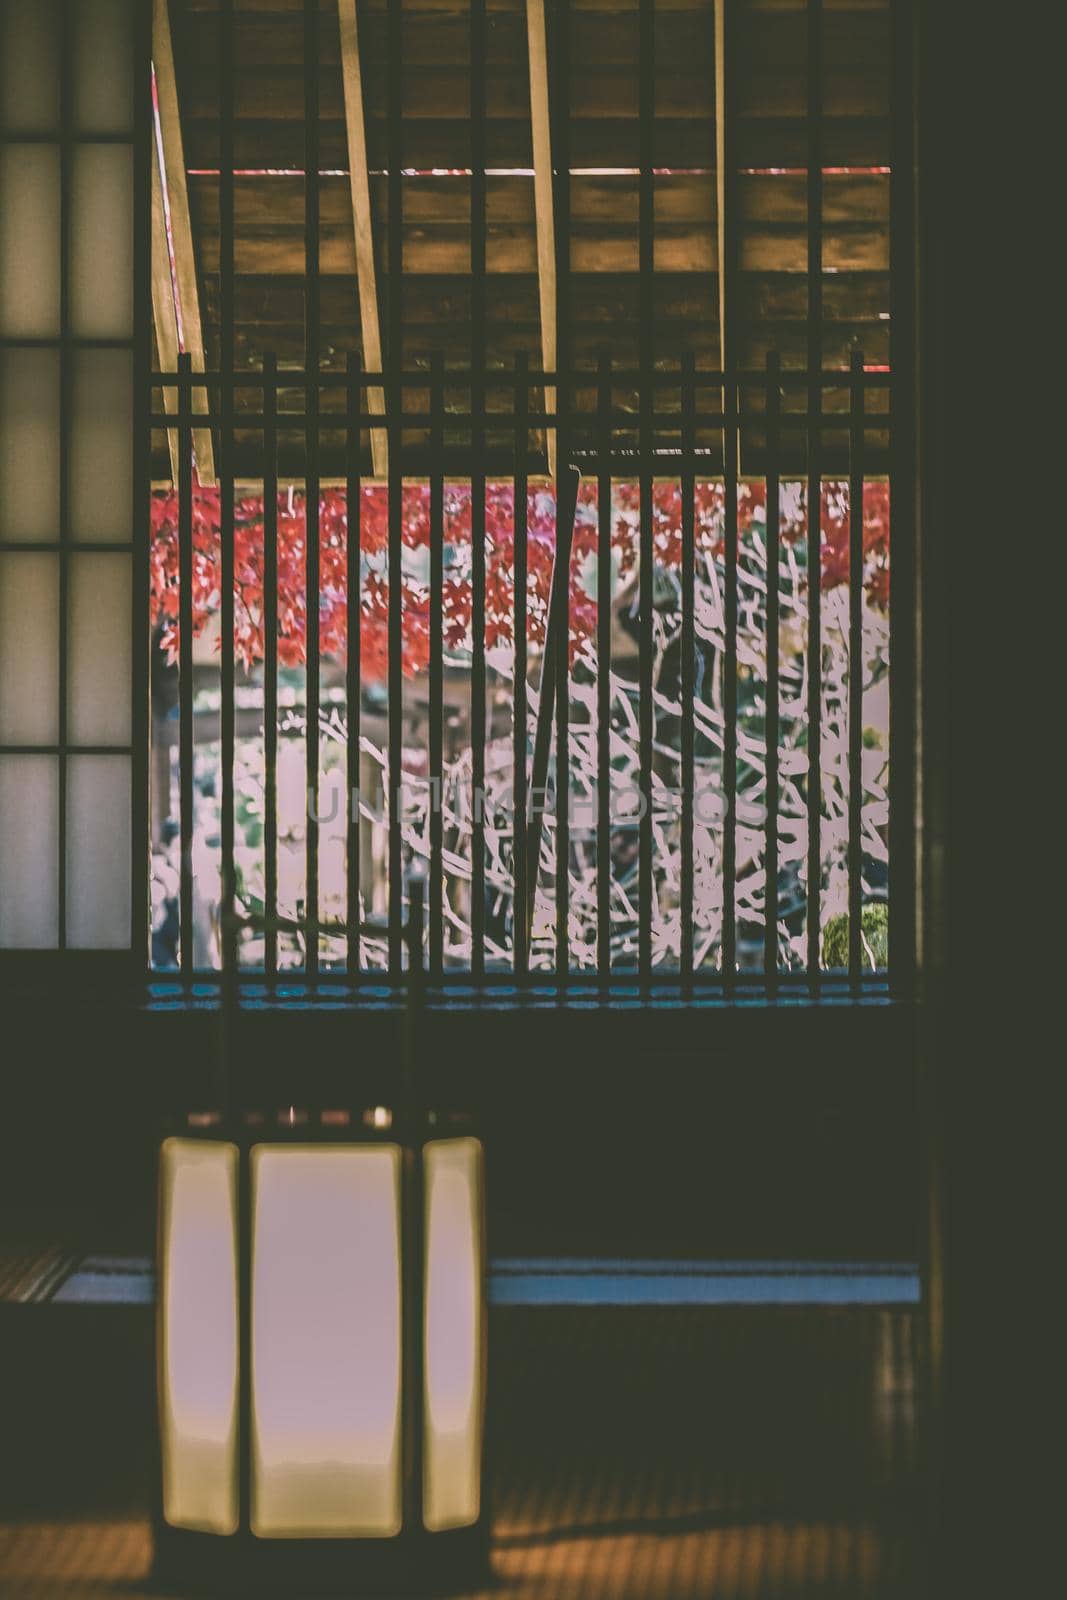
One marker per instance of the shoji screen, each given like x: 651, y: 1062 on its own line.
x: 69, y: 82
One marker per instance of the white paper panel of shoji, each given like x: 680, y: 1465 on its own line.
x: 29, y: 445
x: 29, y: 649
x: 101, y: 446
x: 98, y: 650
x: 29, y: 241
x: 98, y: 852
x: 103, y: 66
x: 29, y: 852
x: 29, y: 66
x: 101, y: 242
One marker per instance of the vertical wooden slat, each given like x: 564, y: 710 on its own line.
x: 185, y: 661
x: 730, y: 434
x: 436, y: 670
x: 603, y: 671
x: 145, y: 167
x: 855, y: 667
x: 226, y: 449
x: 548, y: 693
x: 726, y: 182
x: 688, y: 664
x: 561, y: 644
x: 477, y: 399
x: 814, y: 488
x: 395, y: 394
x: 773, y: 503
x: 903, y: 604
x: 353, y: 633
x: 725, y: 179
x: 646, y: 556
x: 564, y: 511
x: 395, y: 732
x: 311, y: 467
x: 520, y: 704
x: 270, y: 660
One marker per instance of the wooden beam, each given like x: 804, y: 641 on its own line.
x: 546, y: 230
x: 439, y: 250
x: 164, y: 315
x: 726, y: 182
x: 366, y: 276
x: 185, y: 292
x: 722, y: 155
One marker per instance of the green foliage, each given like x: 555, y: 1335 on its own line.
x: 874, y: 928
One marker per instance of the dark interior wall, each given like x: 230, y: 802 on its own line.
x: 991, y: 1024
x: 746, y: 1132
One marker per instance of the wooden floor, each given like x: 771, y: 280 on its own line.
x: 648, y: 1452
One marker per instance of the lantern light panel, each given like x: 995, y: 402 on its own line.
x: 453, y: 1334
x: 198, y: 1344
x: 326, y: 1337
x: 326, y: 1341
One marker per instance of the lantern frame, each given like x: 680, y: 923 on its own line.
x: 415, y: 1559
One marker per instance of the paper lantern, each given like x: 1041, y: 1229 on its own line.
x: 330, y: 1388
x: 322, y: 1350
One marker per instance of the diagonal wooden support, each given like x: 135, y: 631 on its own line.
x: 170, y: 190
x: 359, y: 179
x: 567, y: 486
x: 164, y: 313
x: 543, y: 205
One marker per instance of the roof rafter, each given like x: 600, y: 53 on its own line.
x: 175, y: 291
x: 359, y: 182
x: 164, y: 312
